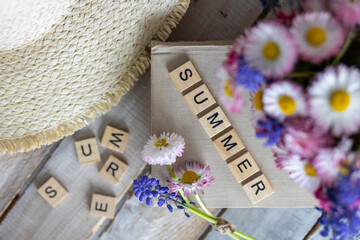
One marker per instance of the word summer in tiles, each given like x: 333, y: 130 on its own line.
x: 219, y: 129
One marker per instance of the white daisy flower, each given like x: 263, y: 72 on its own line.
x: 163, y: 150
x: 192, y: 179
x: 284, y: 99
x: 318, y: 36
x: 270, y: 48
x: 302, y: 172
x: 335, y: 98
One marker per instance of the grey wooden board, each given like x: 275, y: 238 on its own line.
x: 136, y: 221
x: 171, y: 113
x: 16, y: 169
x: 33, y: 218
x: 270, y: 224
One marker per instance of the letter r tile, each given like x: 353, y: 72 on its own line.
x: 258, y: 189
x: 214, y: 122
x: 199, y: 99
x: 185, y: 76
x: 113, y: 169
x: 243, y: 167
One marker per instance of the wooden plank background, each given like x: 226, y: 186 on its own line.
x: 30, y: 217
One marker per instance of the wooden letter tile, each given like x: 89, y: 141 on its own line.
x: 199, y: 99
x: 258, y: 189
x: 114, y: 139
x: 87, y: 151
x: 113, y: 169
x: 214, y: 122
x: 52, y: 191
x: 243, y: 167
x: 102, y: 205
x: 185, y: 76
x: 228, y: 144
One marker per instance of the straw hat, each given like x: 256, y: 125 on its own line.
x: 65, y: 62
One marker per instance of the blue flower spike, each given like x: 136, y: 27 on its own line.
x: 148, y: 188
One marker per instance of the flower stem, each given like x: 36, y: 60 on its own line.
x: 344, y: 49
x: 300, y: 75
x: 242, y: 235
x: 202, y: 205
x: 201, y: 214
x: 234, y: 236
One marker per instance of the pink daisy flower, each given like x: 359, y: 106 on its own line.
x: 318, y: 36
x: 193, y: 178
x: 269, y: 47
x: 231, y: 96
x: 301, y: 171
x: 164, y: 149
x: 302, y: 137
x: 328, y: 160
x: 347, y: 11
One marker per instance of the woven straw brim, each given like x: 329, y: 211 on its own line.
x: 58, y: 84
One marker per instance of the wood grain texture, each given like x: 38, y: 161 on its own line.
x: 15, y: 170
x: 32, y: 218
x: 270, y: 223
x: 140, y: 222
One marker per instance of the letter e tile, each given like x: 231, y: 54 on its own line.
x: 102, y: 205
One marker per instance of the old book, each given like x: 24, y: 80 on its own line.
x: 171, y: 113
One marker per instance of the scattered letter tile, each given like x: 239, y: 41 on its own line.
x: 185, y: 76
x: 214, y: 122
x: 258, y: 189
x: 199, y: 99
x: 87, y: 151
x: 102, y: 205
x: 114, y: 139
x: 113, y: 169
x: 243, y: 167
x: 52, y: 191
x: 228, y: 144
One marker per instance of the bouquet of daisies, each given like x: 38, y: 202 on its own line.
x: 186, y: 183
x: 302, y: 69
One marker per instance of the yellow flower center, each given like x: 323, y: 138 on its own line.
x: 161, y: 143
x: 344, y: 167
x: 287, y: 105
x: 189, y: 177
x: 258, y: 103
x: 227, y: 88
x: 316, y: 36
x: 340, y: 100
x: 271, y: 51
x: 309, y: 170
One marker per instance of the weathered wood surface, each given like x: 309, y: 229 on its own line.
x: 32, y: 218
x: 140, y: 222
x: 205, y: 20
x: 270, y: 223
x: 15, y: 171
